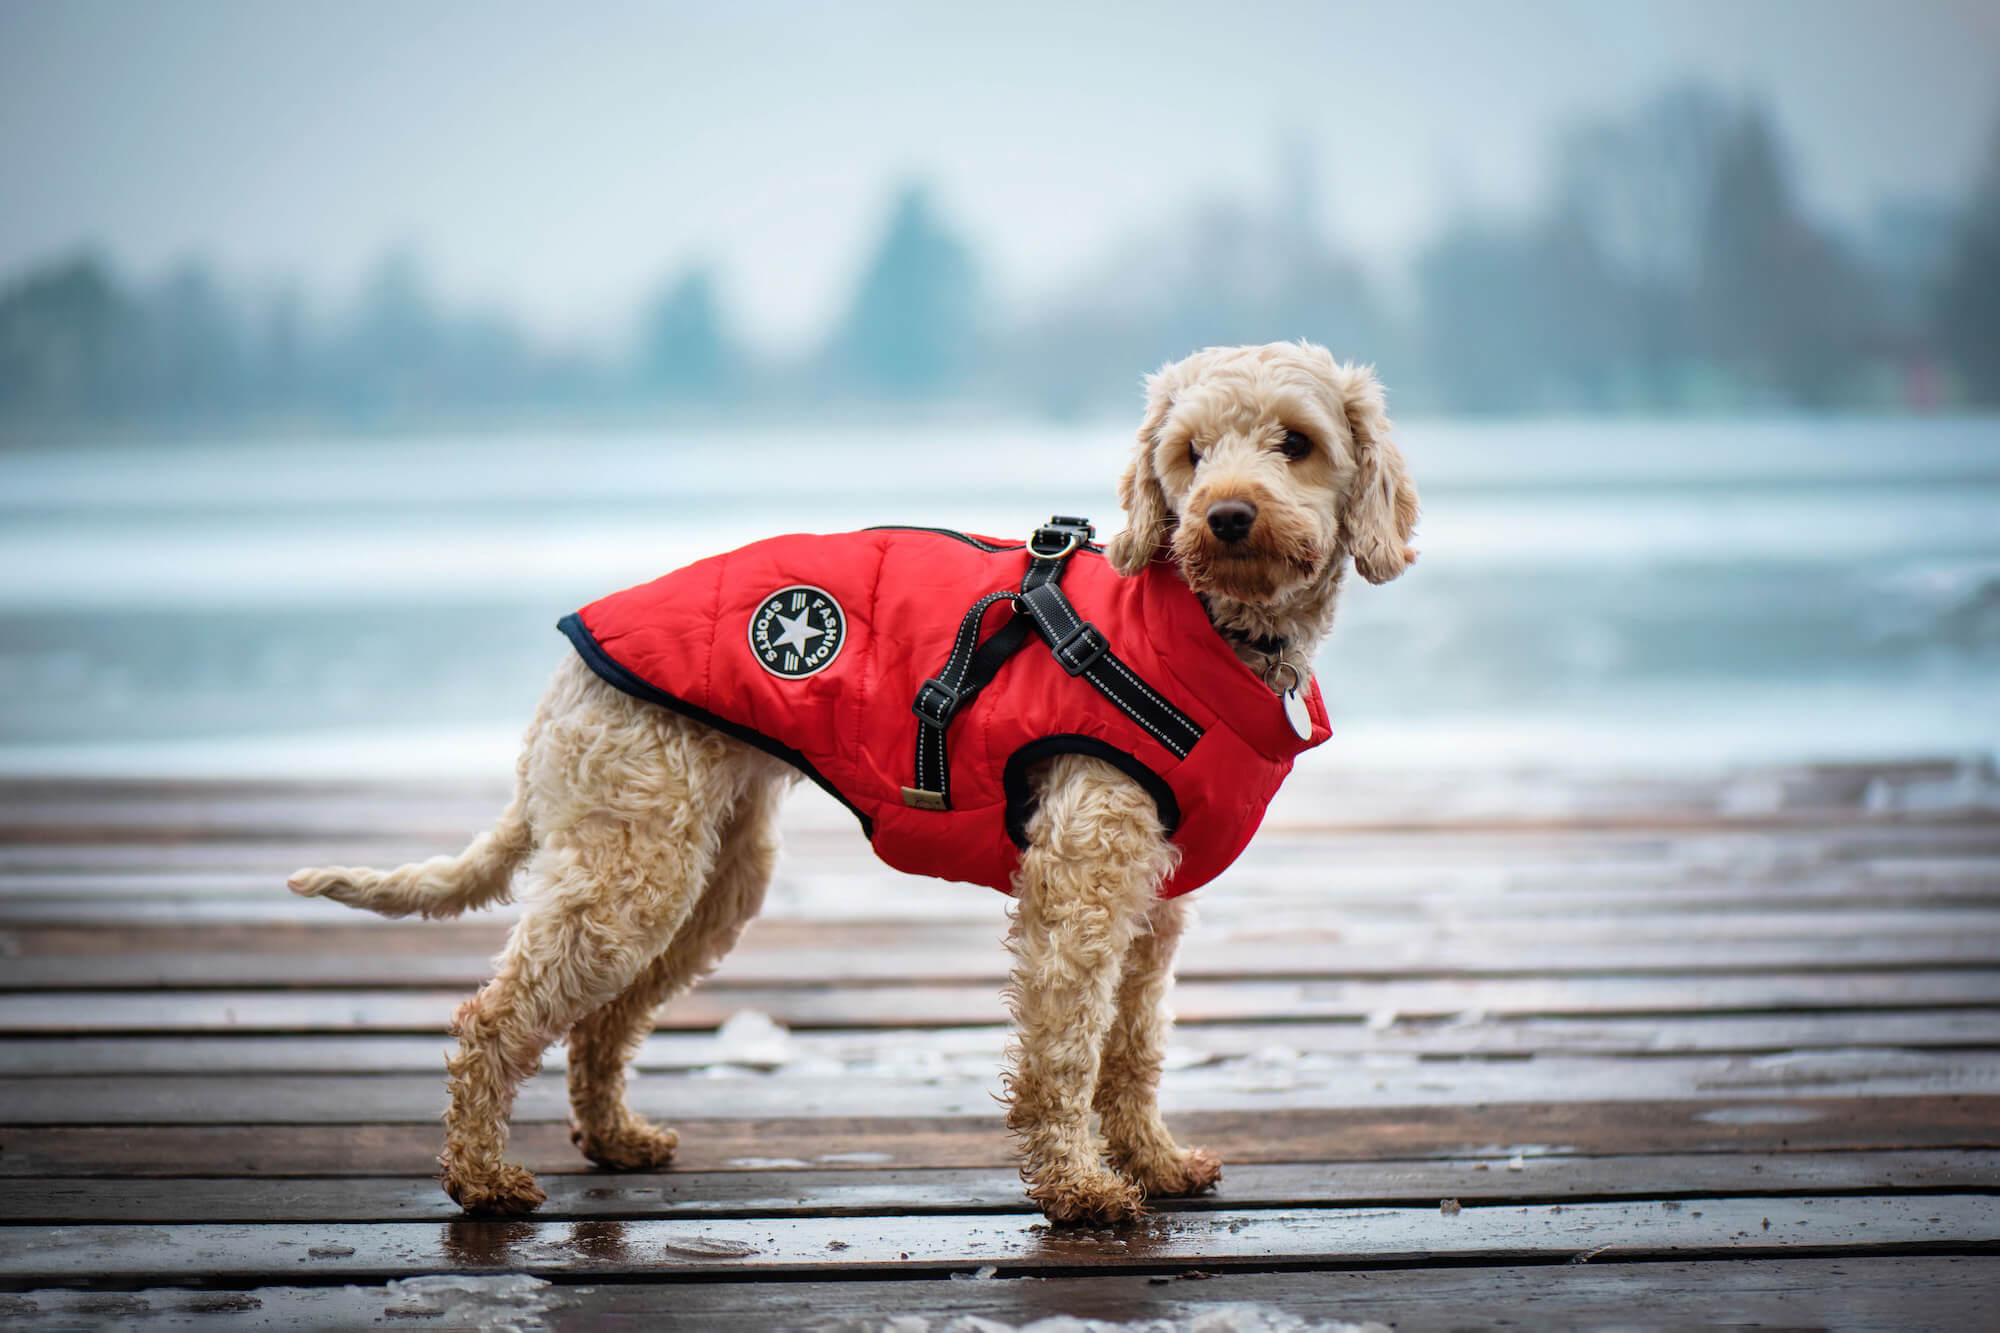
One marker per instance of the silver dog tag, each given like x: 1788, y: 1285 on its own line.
x: 1296, y: 714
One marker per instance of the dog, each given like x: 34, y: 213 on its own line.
x: 645, y: 838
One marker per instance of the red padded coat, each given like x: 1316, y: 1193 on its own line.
x: 813, y: 648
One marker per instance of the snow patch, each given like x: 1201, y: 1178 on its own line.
x: 504, y: 1303
x: 753, y: 1039
x: 1234, y: 1317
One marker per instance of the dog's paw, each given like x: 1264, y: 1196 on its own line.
x: 1096, y: 1201
x: 508, y: 1191
x: 633, y: 1146
x: 1187, y: 1171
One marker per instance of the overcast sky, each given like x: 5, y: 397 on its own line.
x: 562, y: 159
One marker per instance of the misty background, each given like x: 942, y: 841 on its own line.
x: 344, y: 347
x: 367, y: 215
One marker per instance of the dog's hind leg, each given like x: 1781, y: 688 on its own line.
x: 616, y: 875
x: 1128, y: 1077
x: 1094, y: 861
x: 603, y: 1126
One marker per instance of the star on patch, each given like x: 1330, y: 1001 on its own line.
x: 797, y: 631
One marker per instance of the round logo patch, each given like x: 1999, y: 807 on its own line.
x: 797, y: 631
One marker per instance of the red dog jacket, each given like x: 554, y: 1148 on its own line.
x: 852, y: 657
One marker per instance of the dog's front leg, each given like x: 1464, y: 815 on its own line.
x: 1128, y: 1077
x: 1093, y: 864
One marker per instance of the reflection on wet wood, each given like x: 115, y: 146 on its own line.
x: 1848, y: 1124
x: 868, y: 1188
x: 1917, y: 1292
x: 249, y: 1254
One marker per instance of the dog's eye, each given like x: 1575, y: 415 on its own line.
x: 1295, y: 445
x: 1194, y: 455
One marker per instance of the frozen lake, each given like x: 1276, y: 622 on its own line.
x: 1634, y: 595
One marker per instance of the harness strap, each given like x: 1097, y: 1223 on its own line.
x: 940, y: 698
x: 1083, y: 651
x: 1040, y: 607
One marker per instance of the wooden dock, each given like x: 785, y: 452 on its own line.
x: 1538, y: 1050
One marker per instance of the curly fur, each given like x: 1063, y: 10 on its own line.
x: 643, y: 841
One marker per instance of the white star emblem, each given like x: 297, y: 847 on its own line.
x: 797, y: 633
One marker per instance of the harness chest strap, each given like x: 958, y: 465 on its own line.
x: 1040, y: 607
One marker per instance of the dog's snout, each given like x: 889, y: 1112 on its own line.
x: 1230, y: 520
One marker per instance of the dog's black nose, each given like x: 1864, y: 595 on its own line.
x: 1230, y: 520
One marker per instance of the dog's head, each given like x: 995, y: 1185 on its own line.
x: 1258, y: 469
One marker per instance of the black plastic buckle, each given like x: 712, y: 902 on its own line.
x: 936, y: 702
x: 1059, y: 536
x: 1094, y: 644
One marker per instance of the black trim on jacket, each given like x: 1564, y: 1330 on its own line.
x: 1021, y: 795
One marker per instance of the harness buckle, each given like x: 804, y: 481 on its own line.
x: 1059, y: 536
x: 936, y: 702
x: 1080, y: 648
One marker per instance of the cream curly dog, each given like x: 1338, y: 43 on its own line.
x: 648, y: 838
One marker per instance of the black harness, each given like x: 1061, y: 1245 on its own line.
x: 1039, y: 608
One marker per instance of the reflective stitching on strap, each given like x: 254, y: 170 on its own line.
x: 1138, y: 716
x: 968, y: 631
x: 1144, y: 688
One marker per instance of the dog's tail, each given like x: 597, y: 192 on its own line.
x: 442, y: 886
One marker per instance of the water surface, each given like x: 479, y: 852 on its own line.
x: 1629, y: 594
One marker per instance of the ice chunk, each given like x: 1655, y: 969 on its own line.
x: 752, y: 1038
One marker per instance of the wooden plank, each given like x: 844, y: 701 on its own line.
x: 242, y: 1254
x: 1427, y: 859
x: 114, y: 942
x: 1412, y: 956
x: 82, y: 812
x: 813, y: 1005
x: 273, y: 858
x: 1339, y: 889
x: 111, y: 821
x: 1904, y: 1294
x: 833, y: 885
x: 1429, y: 851
x: 1319, y: 786
x: 1390, y: 884
x: 199, y: 832
x: 1268, y: 1081
x: 1604, y: 893
x: 1277, y: 853
x: 823, y: 1193
x: 1844, y: 1124
x: 1922, y: 1029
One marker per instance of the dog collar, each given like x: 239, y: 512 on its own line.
x: 1270, y: 645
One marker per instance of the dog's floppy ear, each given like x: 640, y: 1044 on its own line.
x: 1382, y: 508
x: 1147, y: 518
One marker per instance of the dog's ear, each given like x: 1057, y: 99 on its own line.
x: 1382, y: 508
x: 1148, y: 521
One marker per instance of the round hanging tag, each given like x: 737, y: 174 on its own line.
x: 1296, y: 714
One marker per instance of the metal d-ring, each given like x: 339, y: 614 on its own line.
x: 1271, y: 670
x: 1070, y: 544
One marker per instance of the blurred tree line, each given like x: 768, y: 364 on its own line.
x: 1672, y: 267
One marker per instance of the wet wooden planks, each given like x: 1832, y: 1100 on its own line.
x: 261, y: 1254
x: 1724, y: 1049
x: 868, y: 1188
x: 1890, y: 1293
